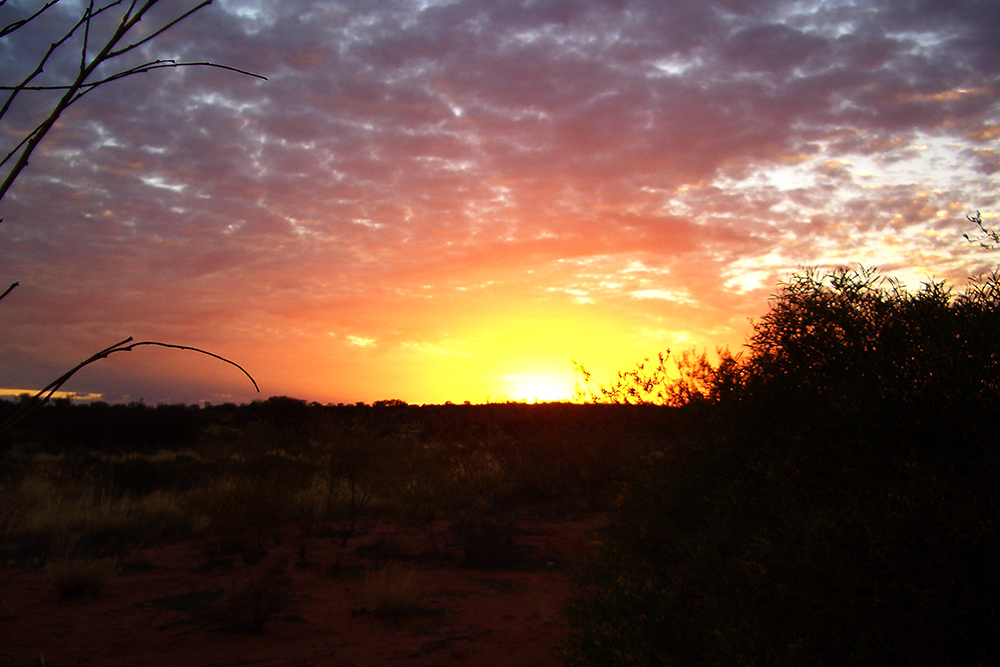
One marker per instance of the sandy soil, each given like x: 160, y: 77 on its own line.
x: 163, y: 606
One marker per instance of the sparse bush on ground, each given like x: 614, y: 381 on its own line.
x: 488, y: 543
x: 353, y: 464
x: 245, y: 477
x: 392, y: 591
x: 78, y: 577
x: 247, y: 514
x: 256, y: 599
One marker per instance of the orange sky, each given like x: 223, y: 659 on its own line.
x: 449, y: 201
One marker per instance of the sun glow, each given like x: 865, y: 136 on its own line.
x: 538, y: 387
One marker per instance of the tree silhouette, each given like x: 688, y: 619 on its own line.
x: 835, y: 503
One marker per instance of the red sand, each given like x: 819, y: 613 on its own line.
x: 466, y: 616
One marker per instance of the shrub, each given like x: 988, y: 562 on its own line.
x: 392, y: 591
x: 250, y: 604
x: 77, y: 578
x: 488, y: 543
x: 247, y: 513
x: 832, y: 501
x: 352, y: 466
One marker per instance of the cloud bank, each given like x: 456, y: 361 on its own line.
x: 424, y: 189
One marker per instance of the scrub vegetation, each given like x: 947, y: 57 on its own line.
x: 85, y: 488
x: 829, y: 497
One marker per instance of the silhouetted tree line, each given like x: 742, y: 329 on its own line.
x: 139, y: 427
x: 552, y: 450
x: 831, y: 496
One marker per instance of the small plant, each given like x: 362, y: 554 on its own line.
x: 247, y: 514
x: 250, y: 605
x: 488, y: 544
x: 78, y: 578
x: 392, y: 591
x: 383, y: 549
x: 544, y: 609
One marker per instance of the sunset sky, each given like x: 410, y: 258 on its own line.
x: 447, y: 201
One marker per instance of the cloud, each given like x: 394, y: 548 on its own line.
x: 405, y: 151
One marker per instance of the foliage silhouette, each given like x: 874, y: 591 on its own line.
x: 988, y: 239
x: 833, y: 502
x: 695, y: 380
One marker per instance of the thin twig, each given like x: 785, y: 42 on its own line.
x: 89, y: 16
x: 129, y: 348
x: 138, y: 69
x: 11, y: 27
x: 157, y: 33
x: 9, y: 289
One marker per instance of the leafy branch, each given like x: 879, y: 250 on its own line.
x: 989, y: 239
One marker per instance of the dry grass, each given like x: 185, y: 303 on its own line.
x: 41, y: 520
x: 248, y: 513
x: 544, y: 609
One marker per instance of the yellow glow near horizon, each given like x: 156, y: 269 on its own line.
x: 517, y: 351
x: 539, y: 387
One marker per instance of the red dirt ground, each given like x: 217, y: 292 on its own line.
x: 157, y: 610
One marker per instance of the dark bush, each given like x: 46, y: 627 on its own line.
x: 833, y: 500
x: 488, y: 544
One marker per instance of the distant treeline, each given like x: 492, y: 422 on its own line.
x: 137, y: 427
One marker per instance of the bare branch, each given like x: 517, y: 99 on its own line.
x: 20, y: 144
x: 129, y: 348
x: 88, y: 15
x: 112, y: 47
x: 16, y: 25
x: 64, y: 102
x: 140, y: 69
x: 38, y: 69
x: 45, y: 394
x: 131, y: 8
x: 80, y: 86
x: 162, y: 30
x: 9, y: 289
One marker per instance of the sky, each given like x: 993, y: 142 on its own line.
x: 433, y: 200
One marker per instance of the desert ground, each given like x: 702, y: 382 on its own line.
x: 183, y: 603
